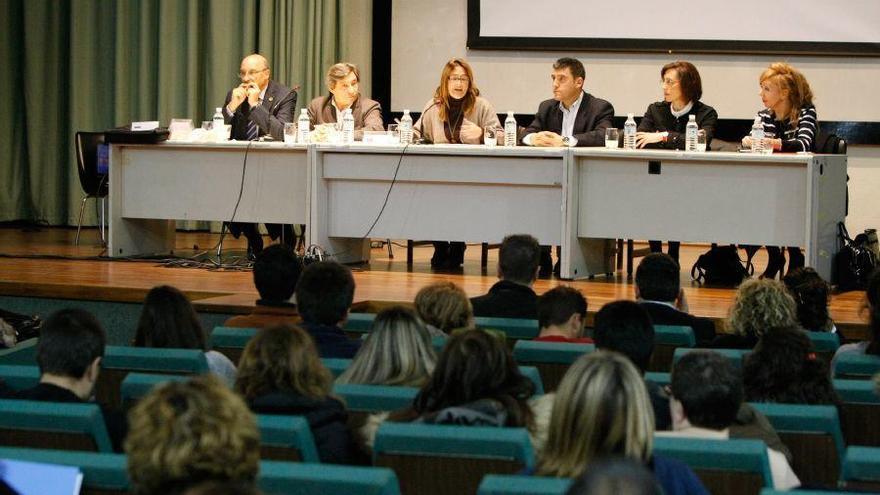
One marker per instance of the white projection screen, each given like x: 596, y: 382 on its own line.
x: 808, y: 27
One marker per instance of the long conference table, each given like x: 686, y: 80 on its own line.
x: 579, y: 199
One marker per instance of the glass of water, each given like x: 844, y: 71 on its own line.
x: 612, y: 137
x: 701, y: 140
x: 207, y: 125
x: 767, y: 147
x: 290, y: 133
x: 490, y: 137
x: 394, y: 132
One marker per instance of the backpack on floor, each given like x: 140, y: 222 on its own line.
x: 854, y: 262
x: 719, y: 266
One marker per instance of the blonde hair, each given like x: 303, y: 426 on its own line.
x: 337, y: 72
x: 601, y: 409
x: 786, y: 77
x: 282, y: 359
x: 184, y: 433
x: 397, y: 351
x: 761, y: 305
x: 445, y: 306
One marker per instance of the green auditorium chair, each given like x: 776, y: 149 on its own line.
x: 336, y: 365
x: 768, y: 491
x: 103, y: 473
x: 438, y: 342
x: 861, y: 468
x: 500, y: 484
x: 444, y: 459
x: 24, y: 352
x: 668, y: 338
x: 735, y: 356
x: 53, y: 425
x: 726, y: 467
x: 813, y: 435
x: 551, y: 358
x: 375, y: 398
x: 859, y: 412
x: 286, y: 438
x: 287, y: 478
x: 513, y: 328
x: 850, y: 365
x: 136, y: 385
x: 230, y: 341
x: 825, y: 344
x: 19, y: 377
x: 658, y: 378
x: 359, y: 324
x: 119, y: 361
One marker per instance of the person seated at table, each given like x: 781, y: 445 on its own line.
x: 572, y: 117
x: 664, y: 123
x: 343, y: 80
x: 513, y: 296
x: 790, y: 125
x: 276, y: 272
x: 562, y: 313
x: 457, y: 114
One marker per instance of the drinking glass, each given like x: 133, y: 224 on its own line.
x: 290, y: 133
x: 490, y: 137
x: 207, y: 125
x: 701, y: 140
x: 767, y: 148
x: 394, y: 132
x: 180, y: 129
x: 612, y: 136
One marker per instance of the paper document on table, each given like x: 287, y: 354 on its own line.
x: 148, y: 125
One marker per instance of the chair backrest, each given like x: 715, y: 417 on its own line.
x: 735, y: 356
x: 442, y: 459
x: 533, y: 374
x: 514, y: 328
x: 53, y: 425
x: 103, y: 472
x: 825, y: 344
x: 336, y: 365
x: 861, y: 468
x: 230, y: 341
x: 286, y: 438
x: 500, y: 484
x: 724, y: 466
x: 24, y: 353
x: 830, y: 144
x: 287, y: 478
x: 359, y: 323
x: 859, y: 412
x: 86, y: 144
x: 551, y: 358
x: 136, y: 385
x: 668, y: 338
x: 659, y: 378
x: 438, y: 342
x: 119, y: 361
x: 19, y: 377
x: 768, y: 491
x: 856, y: 366
x: 813, y: 435
x: 375, y: 398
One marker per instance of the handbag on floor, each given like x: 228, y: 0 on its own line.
x: 720, y: 266
x: 24, y: 327
x: 855, y: 261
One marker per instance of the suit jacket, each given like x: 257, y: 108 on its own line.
x: 593, y: 117
x: 276, y: 110
x: 367, y: 114
x: 661, y: 314
x: 658, y: 118
x: 507, y: 300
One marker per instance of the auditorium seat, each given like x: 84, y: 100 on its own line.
x: 825, y: 344
x: 659, y: 378
x: 726, y: 467
x: 288, y: 478
x: 500, y: 484
x: 768, y: 491
x: 513, y: 328
x: 734, y: 355
x: 119, y: 361
x: 375, y: 398
x: 24, y: 353
x: 359, y: 324
x: 53, y: 425
x: 442, y: 459
x: 856, y: 366
x: 668, y: 338
x: 812, y: 434
x: 230, y: 341
x: 859, y: 412
x: 861, y: 468
x: 336, y: 365
x: 136, y: 385
x: 19, y: 377
x: 286, y: 438
x: 103, y: 473
x: 551, y: 358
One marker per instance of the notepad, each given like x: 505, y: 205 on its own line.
x: 36, y: 478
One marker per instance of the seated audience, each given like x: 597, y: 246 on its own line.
x: 397, y: 351
x: 324, y: 295
x: 512, y: 296
x: 658, y: 289
x: 706, y: 395
x: 276, y: 272
x: 760, y: 305
x: 223, y: 488
x: 562, y: 313
x: 69, y: 353
x: 616, y: 476
x: 168, y: 321
x: 343, y: 81
x: 444, y: 307
x: 872, y: 305
x: 184, y: 434
x: 784, y: 368
x: 601, y: 409
x: 280, y: 373
x: 811, y: 295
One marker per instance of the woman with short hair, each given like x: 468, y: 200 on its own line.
x: 444, y: 307
x: 343, y: 82
x: 759, y: 306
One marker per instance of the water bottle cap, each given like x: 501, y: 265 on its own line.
x: 629, y: 115
x: 692, y: 118
x: 405, y: 111
x: 217, y: 110
x: 510, y: 113
x: 304, y: 111
x: 757, y: 120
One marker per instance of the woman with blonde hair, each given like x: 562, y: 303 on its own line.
x: 397, y: 351
x: 185, y: 433
x: 760, y: 306
x: 444, y: 307
x: 601, y: 410
x: 280, y: 373
x: 343, y: 82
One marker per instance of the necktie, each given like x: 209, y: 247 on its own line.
x: 253, y: 131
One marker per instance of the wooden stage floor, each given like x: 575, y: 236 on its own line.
x: 45, y: 263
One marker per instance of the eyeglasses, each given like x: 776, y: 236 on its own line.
x: 462, y: 79
x: 250, y: 73
x: 668, y: 83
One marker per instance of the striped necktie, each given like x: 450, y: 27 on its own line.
x: 253, y: 131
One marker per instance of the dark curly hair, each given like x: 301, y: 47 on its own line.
x: 810, y: 293
x: 784, y: 368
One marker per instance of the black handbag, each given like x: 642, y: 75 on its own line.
x: 721, y: 265
x: 855, y: 261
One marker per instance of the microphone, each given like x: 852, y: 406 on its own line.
x: 422, y: 139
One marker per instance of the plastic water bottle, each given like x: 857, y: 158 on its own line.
x: 757, y: 136
x: 219, y: 125
x: 629, y: 132
x: 510, y: 130
x: 405, y: 128
x: 303, y: 124
x: 690, y: 134
x: 347, y: 127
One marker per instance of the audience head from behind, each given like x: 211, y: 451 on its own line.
x: 168, y: 320
x: 182, y: 434
x: 706, y: 390
x: 324, y: 293
x: 69, y: 351
x: 562, y: 312
x: 276, y: 273
x: 444, y: 307
x: 625, y: 327
x: 759, y: 305
x: 518, y: 259
x: 811, y: 294
x: 397, y: 351
x: 657, y: 279
x: 476, y: 382
x: 601, y: 409
x: 616, y: 476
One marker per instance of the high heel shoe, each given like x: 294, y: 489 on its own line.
x: 775, y: 262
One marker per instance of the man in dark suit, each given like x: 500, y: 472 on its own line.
x: 658, y: 288
x: 512, y: 296
x: 258, y: 107
x: 572, y: 117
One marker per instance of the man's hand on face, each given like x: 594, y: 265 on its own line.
x: 253, y: 94
x: 239, y: 94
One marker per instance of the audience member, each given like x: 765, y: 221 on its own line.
x: 760, y: 304
x: 276, y: 272
x: 280, y: 373
x: 184, y: 434
x: 706, y: 395
x: 168, y: 321
x: 324, y: 295
x: 562, y: 313
x: 223, y: 488
x: 512, y: 296
x: 397, y: 351
x: 444, y: 307
x: 616, y: 476
x: 811, y: 294
x: 658, y: 289
x: 872, y: 305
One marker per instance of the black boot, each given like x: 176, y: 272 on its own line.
x: 441, y: 254
x: 775, y: 263
x: 795, y: 259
